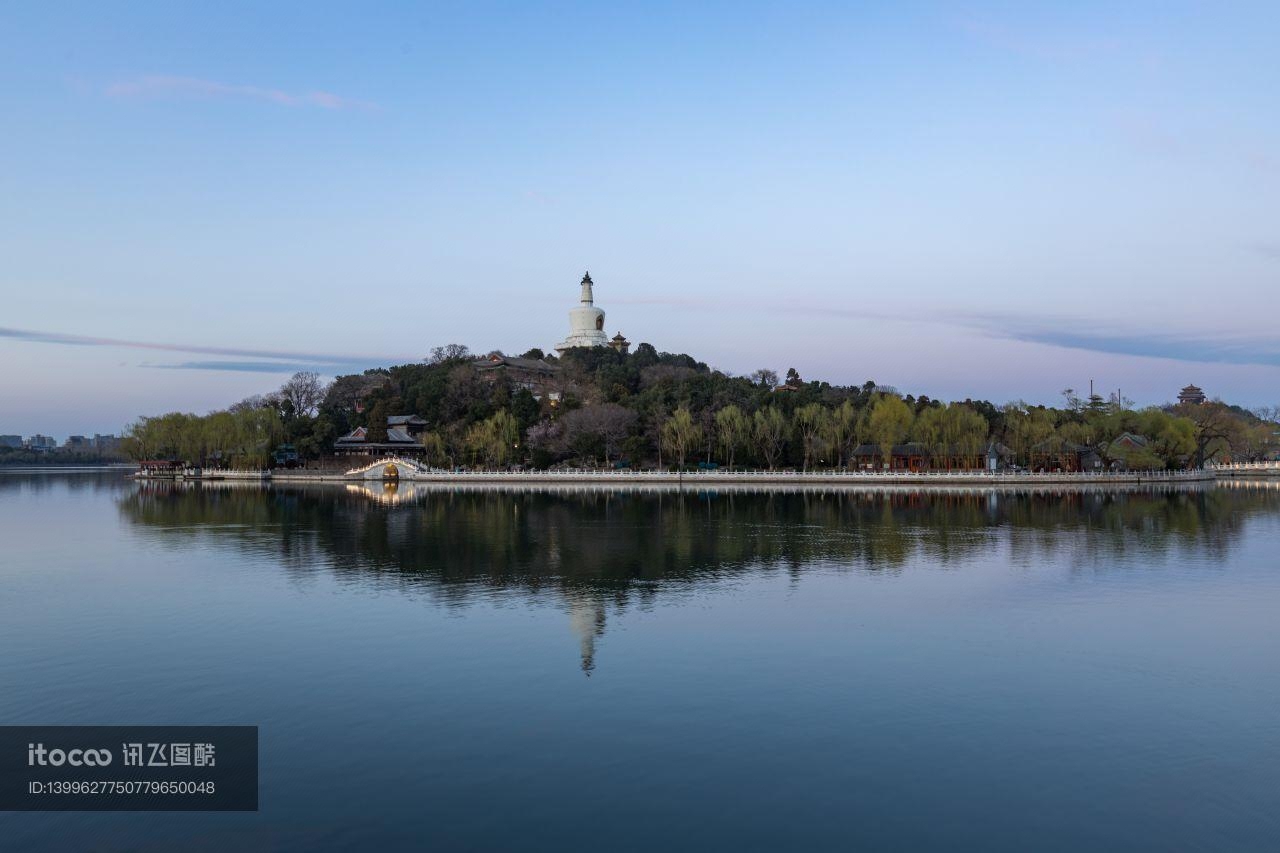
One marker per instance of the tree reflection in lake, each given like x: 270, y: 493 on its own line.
x: 596, y: 549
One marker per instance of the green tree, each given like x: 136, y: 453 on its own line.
x: 376, y: 431
x: 769, y: 429
x: 1025, y: 427
x: 681, y: 434
x: 433, y: 449
x: 812, y: 424
x: 733, y: 429
x: 1171, y: 438
x: 842, y: 431
x: 888, y: 424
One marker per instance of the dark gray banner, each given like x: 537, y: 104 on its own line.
x: 129, y: 768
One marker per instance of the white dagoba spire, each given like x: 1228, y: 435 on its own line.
x: 586, y: 322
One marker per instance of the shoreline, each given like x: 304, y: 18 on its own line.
x: 713, y: 479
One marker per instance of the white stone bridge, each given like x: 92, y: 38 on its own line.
x: 388, y: 468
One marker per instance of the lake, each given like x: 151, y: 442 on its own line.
x: 594, y: 669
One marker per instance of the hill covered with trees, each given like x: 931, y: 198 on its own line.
x: 648, y: 408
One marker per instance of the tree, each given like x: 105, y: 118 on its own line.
x: 433, y: 449
x: 1137, y: 458
x: 1171, y: 438
x: 1212, y: 426
x: 346, y: 393
x: 966, y: 432
x: 376, y: 431
x: 765, y: 378
x: 842, y: 430
x: 504, y: 437
x: 448, y: 353
x: 811, y: 421
x: 606, y: 424
x: 495, y: 440
x: 769, y: 429
x: 303, y: 392
x: 733, y: 429
x: 1025, y: 427
x: 1072, y: 399
x: 525, y: 407
x: 888, y: 424
x: 681, y: 434
x: 928, y: 430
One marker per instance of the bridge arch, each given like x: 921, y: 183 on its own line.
x: 388, y: 468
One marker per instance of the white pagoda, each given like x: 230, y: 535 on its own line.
x: 586, y: 324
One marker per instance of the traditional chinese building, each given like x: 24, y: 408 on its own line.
x: 413, y: 425
x: 539, y: 377
x: 1191, y: 394
x: 916, y: 456
x: 403, y: 433
x: 1057, y: 454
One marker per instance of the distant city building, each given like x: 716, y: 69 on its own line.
x: 106, y: 443
x: 586, y: 324
x: 1191, y: 394
x: 78, y: 442
x: 14, y: 441
x: 41, y: 443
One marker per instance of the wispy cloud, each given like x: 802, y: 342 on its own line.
x: 327, y: 368
x: 1078, y: 333
x: 169, y: 86
x: 265, y: 361
x: 1085, y: 335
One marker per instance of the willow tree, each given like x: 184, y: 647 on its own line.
x: 256, y: 433
x: 732, y: 430
x: 811, y: 422
x: 433, y: 449
x: 842, y: 430
x: 769, y: 429
x: 888, y: 424
x: 965, y: 431
x: 928, y: 430
x: 681, y: 434
x: 1025, y: 427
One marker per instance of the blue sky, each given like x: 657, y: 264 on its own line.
x: 996, y: 200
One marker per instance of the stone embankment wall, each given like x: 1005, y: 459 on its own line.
x: 705, y: 479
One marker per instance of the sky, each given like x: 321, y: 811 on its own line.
x: 957, y: 199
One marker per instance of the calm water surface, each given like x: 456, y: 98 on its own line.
x: 618, y: 671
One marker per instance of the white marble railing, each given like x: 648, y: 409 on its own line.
x: 1244, y: 466
x: 417, y: 471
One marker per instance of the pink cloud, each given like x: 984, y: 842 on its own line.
x: 162, y: 86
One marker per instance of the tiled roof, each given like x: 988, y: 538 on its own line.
x: 533, y: 365
x: 359, y: 436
